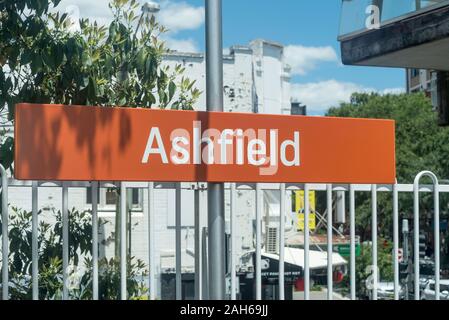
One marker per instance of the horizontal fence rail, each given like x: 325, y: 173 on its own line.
x: 201, y: 277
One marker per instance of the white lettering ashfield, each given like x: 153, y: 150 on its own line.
x: 226, y: 147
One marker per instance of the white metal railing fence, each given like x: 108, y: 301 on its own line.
x: 200, y: 263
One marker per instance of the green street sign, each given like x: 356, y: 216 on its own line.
x: 345, y: 250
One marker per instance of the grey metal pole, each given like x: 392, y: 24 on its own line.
x: 214, y: 102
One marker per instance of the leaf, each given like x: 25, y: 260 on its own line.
x: 92, y: 89
x: 71, y: 48
x: 58, y: 54
x: 140, y: 61
x: 83, y: 82
x: 171, y: 90
x: 150, y: 98
x: 13, y: 54
x: 109, y: 64
x: 112, y: 31
x: 7, y: 153
x: 48, y: 59
x: 191, y: 85
x: 36, y: 63
x: 87, y: 59
x: 11, y: 108
x: 150, y: 67
x: 26, y: 57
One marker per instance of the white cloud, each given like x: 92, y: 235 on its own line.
x: 97, y: 10
x: 304, y: 59
x: 320, y: 96
x: 177, y: 16
x: 187, y: 45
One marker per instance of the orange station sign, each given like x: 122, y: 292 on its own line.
x: 81, y: 143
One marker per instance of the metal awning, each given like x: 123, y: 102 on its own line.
x: 317, y: 259
x: 420, y: 41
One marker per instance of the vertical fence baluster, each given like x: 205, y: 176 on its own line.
x: 436, y: 204
x: 151, y: 243
x: 416, y: 239
x: 306, y: 243
x: 198, y: 264
x: 205, y: 264
x: 374, y: 237
x: 436, y: 236
x: 233, y: 241
x: 94, y: 190
x: 65, y: 241
x: 178, y: 241
x: 396, y: 241
x: 330, y: 280
x: 34, y: 241
x: 282, y: 243
x: 258, y: 266
x: 123, y: 257
x: 5, y: 240
x: 352, y: 236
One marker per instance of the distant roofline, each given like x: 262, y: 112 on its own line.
x: 269, y: 42
x: 240, y: 48
x: 233, y: 49
x: 175, y: 53
x: 192, y: 55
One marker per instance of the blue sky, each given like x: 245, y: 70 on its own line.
x: 308, y: 29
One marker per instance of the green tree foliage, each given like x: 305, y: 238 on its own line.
x: 364, y: 271
x: 44, y: 60
x: 420, y: 145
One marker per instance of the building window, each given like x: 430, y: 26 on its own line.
x: 107, y: 198
x: 298, y: 109
x: 111, y: 196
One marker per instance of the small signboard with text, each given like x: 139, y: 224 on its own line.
x: 299, y: 209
